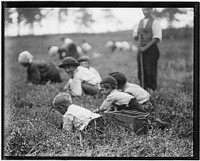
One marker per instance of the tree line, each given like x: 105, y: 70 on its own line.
x: 31, y: 16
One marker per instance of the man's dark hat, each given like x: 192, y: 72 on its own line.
x: 69, y: 61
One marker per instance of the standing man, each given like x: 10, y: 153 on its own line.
x: 149, y: 33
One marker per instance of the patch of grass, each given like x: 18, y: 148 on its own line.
x: 31, y: 130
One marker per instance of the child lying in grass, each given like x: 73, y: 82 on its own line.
x: 76, y: 117
x: 116, y: 100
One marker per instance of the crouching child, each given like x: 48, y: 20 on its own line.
x: 141, y: 95
x: 77, y: 118
x: 116, y: 100
x: 82, y: 80
x: 38, y: 72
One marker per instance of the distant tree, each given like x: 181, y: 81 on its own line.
x: 28, y: 16
x: 62, y: 15
x: 169, y: 14
x: 84, y: 18
x: 7, y: 18
x: 108, y: 15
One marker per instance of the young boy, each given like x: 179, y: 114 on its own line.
x: 116, y: 100
x: 138, y: 92
x: 76, y: 117
x: 38, y: 72
x: 85, y: 62
x: 82, y: 80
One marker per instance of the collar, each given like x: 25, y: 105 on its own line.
x: 114, y: 90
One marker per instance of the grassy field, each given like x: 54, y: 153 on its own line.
x: 30, y: 130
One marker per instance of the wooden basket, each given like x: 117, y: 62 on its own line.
x: 133, y: 120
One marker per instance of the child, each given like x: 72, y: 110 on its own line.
x: 138, y: 92
x: 82, y: 80
x: 85, y: 62
x: 86, y: 47
x: 38, y: 72
x: 76, y: 117
x: 116, y: 100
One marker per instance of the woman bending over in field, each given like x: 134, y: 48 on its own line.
x: 38, y: 72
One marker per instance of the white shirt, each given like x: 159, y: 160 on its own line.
x: 138, y: 92
x: 86, y: 47
x: 95, y: 72
x: 78, y: 117
x: 156, y: 29
x: 116, y: 97
x: 81, y: 74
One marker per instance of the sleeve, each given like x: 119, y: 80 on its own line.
x: 96, y: 74
x: 157, y: 30
x: 75, y: 86
x: 107, y: 103
x: 66, y: 87
x: 34, y: 75
x: 68, y: 123
x: 135, y: 31
x: 131, y: 92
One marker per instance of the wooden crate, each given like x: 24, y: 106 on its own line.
x: 133, y: 120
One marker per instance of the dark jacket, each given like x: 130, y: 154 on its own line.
x: 146, y: 34
x: 66, y: 50
x: 42, y: 72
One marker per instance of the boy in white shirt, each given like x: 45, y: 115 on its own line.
x: 76, y: 117
x: 116, y: 100
x: 81, y: 81
x: 138, y: 92
x: 85, y: 62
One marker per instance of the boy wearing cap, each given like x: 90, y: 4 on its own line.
x: 76, y: 117
x: 81, y: 79
x: 116, y: 100
x: 85, y: 62
x: 138, y: 92
x: 38, y: 72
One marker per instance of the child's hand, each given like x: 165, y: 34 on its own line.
x: 106, y: 111
x: 96, y: 111
x: 60, y: 126
x: 66, y: 87
x: 29, y: 83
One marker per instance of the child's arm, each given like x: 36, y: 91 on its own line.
x: 66, y: 87
x: 75, y: 86
x: 68, y: 123
x: 34, y: 75
x: 106, y: 105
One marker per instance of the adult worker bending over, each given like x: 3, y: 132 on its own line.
x: 149, y: 33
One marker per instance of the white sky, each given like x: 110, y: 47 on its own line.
x: 129, y: 17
